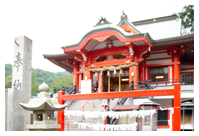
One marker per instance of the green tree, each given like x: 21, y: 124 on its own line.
x: 39, y: 76
x: 187, y: 16
x: 44, y: 76
x: 8, y: 81
x: 8, y: 69
x: 35, y: 85
x: 66, y: 80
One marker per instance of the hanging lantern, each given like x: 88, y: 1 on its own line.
x: 108, y: 73
x: 120, y: 71
x: 95, y: 74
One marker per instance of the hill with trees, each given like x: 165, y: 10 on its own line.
x: 187, y: 16
x: 39, y: 76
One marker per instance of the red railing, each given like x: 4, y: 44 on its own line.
x: 74, y: 115
x: 80, y: 109
x: 96, y: 92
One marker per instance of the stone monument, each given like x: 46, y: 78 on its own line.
x: 43, y: 108
x: 17, y: 118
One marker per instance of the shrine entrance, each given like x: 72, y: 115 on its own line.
x: 115, y: 81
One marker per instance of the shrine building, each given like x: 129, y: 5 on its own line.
x: 142, y: 55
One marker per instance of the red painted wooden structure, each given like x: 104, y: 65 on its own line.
x: 176, y: 92
x: 136, y: 47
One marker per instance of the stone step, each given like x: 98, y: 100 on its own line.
x: 88, y: 107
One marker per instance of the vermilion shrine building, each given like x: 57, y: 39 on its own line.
x: 112, y: 56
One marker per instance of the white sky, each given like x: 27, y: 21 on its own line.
x: 53, y: 24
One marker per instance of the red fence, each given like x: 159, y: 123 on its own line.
x: 176, y: 92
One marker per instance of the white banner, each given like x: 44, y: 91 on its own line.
x: 111, y: 114
x: 99, y: 126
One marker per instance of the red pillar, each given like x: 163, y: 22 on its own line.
x: 176, y: 67
x: 80, y: 77
x: 76, y: 76
x: 100, y: 82
x: 89, y: 76
x: 136, y: 73
x: 60, y: 115
x: 105, y: 120
x: 176, y: 121
x: 142, y: 71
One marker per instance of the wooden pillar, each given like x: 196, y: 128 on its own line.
x: 109, y: 83
x: 76, y: 76
x: 176, y: 121
x: 100, y: 82
x: 88, y: 74
x: 119, y: 82
x: 142, y: 71
x: 60, y: 114
x: 97, y: 78
x: 136, y: 73
x: 176, y: 66
x: 80, y: 78
x: 105, y: 118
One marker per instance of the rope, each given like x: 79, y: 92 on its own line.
x: 111, y: 68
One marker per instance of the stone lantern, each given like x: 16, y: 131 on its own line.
x: 148, y: 123
x: 43, y: 108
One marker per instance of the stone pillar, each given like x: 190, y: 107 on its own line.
x: 21, y: 85
x: 6, y: 107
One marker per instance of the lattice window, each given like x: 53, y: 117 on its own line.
x: 187, y: 78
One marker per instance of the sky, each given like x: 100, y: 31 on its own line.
x: 52, y: 24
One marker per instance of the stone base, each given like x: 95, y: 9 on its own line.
x: 17, y: 117
x: 43, y: 127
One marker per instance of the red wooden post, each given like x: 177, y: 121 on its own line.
x: 176, y: 67
x: 60, y: 115
x: 83, y: 115
x: 177, y: 108
x: 101, y: 82
x: 135, y: 77
x: 68, y: 126
x: 75, y: 75
x: 105, y: 118
x: 134, y: 69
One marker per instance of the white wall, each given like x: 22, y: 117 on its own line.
x: 161, y: 30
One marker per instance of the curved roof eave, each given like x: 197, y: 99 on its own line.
x: 55, y: 55
x: 128, y: 23
x: 108, y: 27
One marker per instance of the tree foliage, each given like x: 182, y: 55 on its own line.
x: 35, y: 85
x: 8, y: 70
x: 187, y: 17
x: 39, y: 76
x: 8, y: 81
